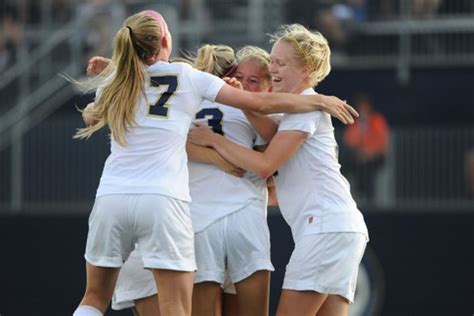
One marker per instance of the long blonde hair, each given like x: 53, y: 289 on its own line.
x: 218, y: 60
x: 311, y: 48
x: 136, y: 42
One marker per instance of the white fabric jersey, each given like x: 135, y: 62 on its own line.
x: 154, y: 160
x: 313, y: 195
x: 216, y: 193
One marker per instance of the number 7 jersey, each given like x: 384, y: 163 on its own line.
x: 154, y: 161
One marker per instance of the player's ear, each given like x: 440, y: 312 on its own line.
x: 307, y: 69
x: 165, y: 42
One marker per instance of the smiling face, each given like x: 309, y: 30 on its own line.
x: 288, y: 74
x: 253, y: 76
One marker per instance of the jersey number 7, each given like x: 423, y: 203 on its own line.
x: 160, y: 108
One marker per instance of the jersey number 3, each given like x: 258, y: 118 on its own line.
x: 160, y: 108
x: 214, y: 118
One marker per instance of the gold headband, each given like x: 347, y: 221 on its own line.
x: 306, y: 57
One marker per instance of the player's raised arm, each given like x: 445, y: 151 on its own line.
x: 266, y: 103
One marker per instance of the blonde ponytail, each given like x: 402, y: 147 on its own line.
x: 136, y: 42
x: 218, y: 60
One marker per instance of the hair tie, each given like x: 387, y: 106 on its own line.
x: 138, y: 50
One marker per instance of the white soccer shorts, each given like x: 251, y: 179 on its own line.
x: 239, y: 242
x: 160, y: 225
x: 326, y: 263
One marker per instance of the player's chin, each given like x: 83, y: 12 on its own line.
x: 277, y: 86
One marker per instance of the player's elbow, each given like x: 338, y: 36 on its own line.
x: 89, y: 118
x: 265, y: 108
x: 88, y: 114
x: 266, y: 171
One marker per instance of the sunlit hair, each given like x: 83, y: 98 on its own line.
x: 124, y: 82
x: 311, y: 48
x: 218, y: 60
x: 258, y: 55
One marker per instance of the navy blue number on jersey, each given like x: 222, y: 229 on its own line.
x: 214, y: 118
x: 160, y: 108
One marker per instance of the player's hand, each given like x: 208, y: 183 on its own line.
x: 96, y: 65
x: 233, y: 82
x: 339, y: 109
x: 87, y: 115
x: 201, y: 135
x: 230, y: 168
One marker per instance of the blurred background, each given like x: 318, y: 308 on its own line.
x: 406, y: 65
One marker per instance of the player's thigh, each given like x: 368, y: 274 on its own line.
x: 205, y: 295
x: 134, y: 283
x: 334, y: 305
x: 176, y: 288
x: 253, y: 294
x: 301, y: 303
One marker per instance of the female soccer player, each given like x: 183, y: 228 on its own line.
x: 329, y: 231
x: 228, y: 213
x: 224, y: 210
x: 254, y: 75
x: 143, y: 195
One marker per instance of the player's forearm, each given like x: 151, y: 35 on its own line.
x: 264, y: 125
x: 290, y: 103
x: 202, y: 154
x: 243, y: 157
x: 266, y: 103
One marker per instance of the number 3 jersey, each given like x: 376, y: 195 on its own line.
x: 154, y: 161
x: 215, y: 193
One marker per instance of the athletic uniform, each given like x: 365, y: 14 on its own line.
x: 143, y: 196
x: 329, y: 231
x: 228, y: 214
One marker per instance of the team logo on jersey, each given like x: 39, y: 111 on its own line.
x: 310, y: 219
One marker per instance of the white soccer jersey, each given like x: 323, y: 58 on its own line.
x: 154, y: 161
x: 216, y: 193
x: 313, y: 195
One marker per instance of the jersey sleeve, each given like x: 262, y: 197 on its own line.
x: 206, y: 85
x: 305, y: 122
x: 259, y: 140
